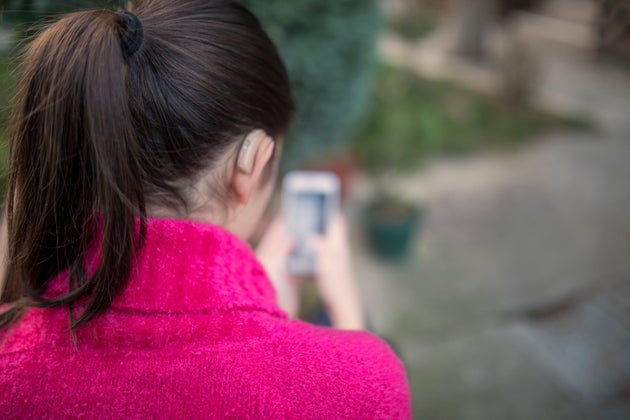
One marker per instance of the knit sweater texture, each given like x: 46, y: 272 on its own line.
x: 196, y: 333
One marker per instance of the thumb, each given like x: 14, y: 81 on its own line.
x: 317, y: 243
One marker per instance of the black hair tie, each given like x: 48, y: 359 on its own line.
x: 131, y: 39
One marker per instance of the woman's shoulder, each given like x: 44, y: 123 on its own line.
x: 353, y: 368
x: 352, y: 346
x: 335, y: 340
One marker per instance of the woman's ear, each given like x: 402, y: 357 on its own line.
x: 253, y: 157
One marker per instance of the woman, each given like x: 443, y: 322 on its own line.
x: 144, y: 149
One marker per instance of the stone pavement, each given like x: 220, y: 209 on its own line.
x: 515, y: 302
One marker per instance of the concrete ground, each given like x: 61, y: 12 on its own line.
x: 515, y: 302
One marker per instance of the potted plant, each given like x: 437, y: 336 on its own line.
x: 390, y: 220
x: 391, y: 223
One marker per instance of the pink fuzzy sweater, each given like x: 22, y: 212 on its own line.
x: 196, y: 334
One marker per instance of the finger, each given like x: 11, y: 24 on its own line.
x: 275, y: 239
x: 338, y: 232
x: 294, y: 281
x: 317, y: 243
x: 335, y: 224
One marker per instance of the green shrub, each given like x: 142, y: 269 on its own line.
x: 412, y: 26
x: 328, y: 47
x: 412, y: 119
x: 329, y: 50
x: 22, y: 14
x: 7, y: 80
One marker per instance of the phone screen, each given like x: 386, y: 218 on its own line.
x: 310, y: 212
x: 309, y: 200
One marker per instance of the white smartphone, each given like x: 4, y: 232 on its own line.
x: 309, y: 200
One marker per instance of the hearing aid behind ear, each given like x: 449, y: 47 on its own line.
x: 248, y: 150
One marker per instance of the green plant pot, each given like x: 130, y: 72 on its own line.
x: 390, y: 233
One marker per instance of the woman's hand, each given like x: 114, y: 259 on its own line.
x: 334, y: 277
x: 272, y: 252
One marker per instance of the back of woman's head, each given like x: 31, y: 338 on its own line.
x: 116, y: 112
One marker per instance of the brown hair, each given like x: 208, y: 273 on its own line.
x: 99, y: 134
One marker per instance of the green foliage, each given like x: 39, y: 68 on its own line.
x: 412, y: 119
x: 328, y: 48
x: 413, y: 26
x: 7, y: 81
x: 25, y: 16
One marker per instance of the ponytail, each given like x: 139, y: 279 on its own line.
x: 113, y: 116
x: 75, y: 177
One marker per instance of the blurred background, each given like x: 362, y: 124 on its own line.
x: 484, y: 151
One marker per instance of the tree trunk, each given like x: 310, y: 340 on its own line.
x: 474, y: 18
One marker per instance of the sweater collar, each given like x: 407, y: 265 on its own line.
x: 187, y: 266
